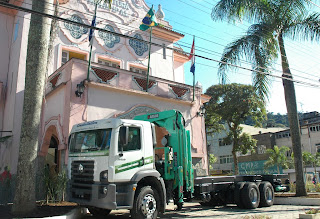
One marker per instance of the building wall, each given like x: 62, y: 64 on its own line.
x: 13, y: 40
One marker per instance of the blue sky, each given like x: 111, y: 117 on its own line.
x: 193, y: 17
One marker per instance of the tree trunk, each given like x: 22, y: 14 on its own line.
x: 37, y: 53
x: 235, y: 161
x: 234, y: 148
x: 291, y: 104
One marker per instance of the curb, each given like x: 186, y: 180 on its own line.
x: 296, y: 201
x: 73, y: 214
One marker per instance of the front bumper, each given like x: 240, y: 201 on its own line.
x: 106, y: 196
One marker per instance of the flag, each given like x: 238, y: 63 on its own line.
x: 149, y: 20
x: 192, y: 58
x: 91, y: 33
x: 109, y: 3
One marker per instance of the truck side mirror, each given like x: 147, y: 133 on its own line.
x: 123, y: 138
x: 154, y: 136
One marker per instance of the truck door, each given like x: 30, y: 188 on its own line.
x: 131, y: 153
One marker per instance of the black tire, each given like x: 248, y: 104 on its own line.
x: 250, y: 195
x: 146, y: 203
x: 266, y: 194
x: 99, y: 212
x: 237, y: 194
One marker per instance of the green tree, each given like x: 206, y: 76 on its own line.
x: 212, y: 160
x: 36, y: 67
x: 233, y: 104
x: 272, y: 21
x: 307, y: 158
x: 277, y: 157
x: 310, y: 159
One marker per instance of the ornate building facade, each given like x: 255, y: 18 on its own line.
x: 117, y: 82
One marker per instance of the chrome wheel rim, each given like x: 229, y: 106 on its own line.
x: 253, y: 196
x: 269, y: 195
x: 149, y: 205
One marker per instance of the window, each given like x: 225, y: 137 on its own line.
x: 221, y: 142
x: 279, y: 136
x: 226, y: 159
x: 108, y: 63
x: 283, y: 135
x: 67, y: 55
x: 90, y: 141
x: 262, y: 149
x: 134, y: 140
x: 139, y: 70
x: 315, y: 128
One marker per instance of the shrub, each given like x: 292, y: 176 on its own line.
x: 55, y: 184
x: 310, y: 187
x: 292, y: 187
x: 317, y: 187
x: 313, y: 211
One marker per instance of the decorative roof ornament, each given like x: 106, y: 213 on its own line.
x: 160, y: 13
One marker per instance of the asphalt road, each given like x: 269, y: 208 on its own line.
x: 196, y: 211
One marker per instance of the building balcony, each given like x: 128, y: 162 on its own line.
x: 102, y: 75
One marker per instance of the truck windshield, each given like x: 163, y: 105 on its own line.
x: 89, y: 141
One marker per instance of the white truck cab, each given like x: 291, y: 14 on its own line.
x: 106, y: 160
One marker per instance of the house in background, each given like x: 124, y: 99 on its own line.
x: 267, y: 139
x: 248, y: 164
x: 310, y: 142
x: 117, y: 80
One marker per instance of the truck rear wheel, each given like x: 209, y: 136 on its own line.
x: 237, y: 194
x: 250, y: 195
x: 146, y: 203
x: 99, y: 212
x: 266, y: 194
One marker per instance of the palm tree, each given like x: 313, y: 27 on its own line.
x: 310, y: 159
x: 262, y: 43
x: 277, y: 157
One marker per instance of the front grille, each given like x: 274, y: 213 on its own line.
x: 82, y: 179
x: 82, y: 172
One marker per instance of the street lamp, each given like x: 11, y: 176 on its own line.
x: 80, y: 89
x: 202, y: 111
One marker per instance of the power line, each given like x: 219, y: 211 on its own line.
x: 197, y: 37
x: 155, y: 44
x: 258, y: 45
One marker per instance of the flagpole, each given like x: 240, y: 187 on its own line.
x: 194, y: 77
x: 193, y: 85
x: 149, y: 60
x: 89, y: 64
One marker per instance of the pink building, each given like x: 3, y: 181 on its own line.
x: 117, y: 80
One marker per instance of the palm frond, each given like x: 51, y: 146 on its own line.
x: 259, y: 48
x: 250, y: 10
x: 304, y: 28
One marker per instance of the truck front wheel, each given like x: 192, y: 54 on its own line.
x: 250, y: 195
x: 146, y: 203
x: 266, y: 194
